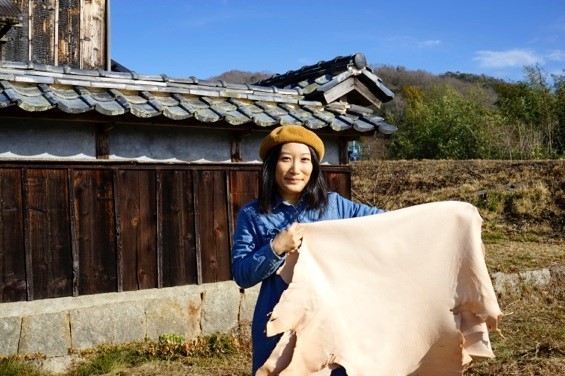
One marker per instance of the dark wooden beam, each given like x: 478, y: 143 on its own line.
x: 159, y: 193
x: 236, y: 140
x: 3, y: 31
x: 197, y: 240
x: 118, y: 230
x: 343, y: 157
x: 74, y: 234
x: 236, y: 148
x: 103, y: 141
x: 27, y: 236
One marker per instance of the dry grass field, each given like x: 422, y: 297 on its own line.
x: 522, y: 198
x: 523, y: 207
x: 522, y: 203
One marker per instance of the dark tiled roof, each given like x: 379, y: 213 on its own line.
x: 9, y: 13
x: 36, y: 88
x: 325, y: 75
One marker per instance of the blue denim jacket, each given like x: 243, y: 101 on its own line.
x: 254, y: 261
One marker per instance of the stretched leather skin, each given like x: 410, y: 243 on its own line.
x: 401, y: 293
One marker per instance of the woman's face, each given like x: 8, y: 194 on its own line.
x: 293, y: 171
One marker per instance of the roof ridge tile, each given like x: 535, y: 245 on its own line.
x: 38, y: 87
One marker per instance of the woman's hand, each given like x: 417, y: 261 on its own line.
x: 288, y: 240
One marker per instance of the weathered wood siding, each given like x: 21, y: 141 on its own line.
x: 12, y: 255
x: 93, y: 229
x: 93, y: 38
x: 69, y: 230
x: 59, y: 32
x: 47, y: 233
x: 17, y: 46
x: 69, y: 36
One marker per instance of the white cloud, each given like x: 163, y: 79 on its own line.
x: 429, y: 43
x: 410, y: 42
x: 508, y: 58
x: 556, y: 55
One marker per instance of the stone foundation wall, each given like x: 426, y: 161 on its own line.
x: 55, y: 327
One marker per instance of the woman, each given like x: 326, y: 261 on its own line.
x: 292, y: 190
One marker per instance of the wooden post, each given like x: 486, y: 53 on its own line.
x: 118, y: 222
x: 197, y: 240
x: 236, y: 139
x: 236, y: 148
x: 74, y: 234
x: 159, y: 192
x: 27, y: 236
x: 343, y: 157
x: 103, y: 141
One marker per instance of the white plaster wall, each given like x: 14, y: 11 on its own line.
x: 169, y: 144
x: 48, y: 140
x: 77, y: 142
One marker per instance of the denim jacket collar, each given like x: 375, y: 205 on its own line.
x: 280, y: 201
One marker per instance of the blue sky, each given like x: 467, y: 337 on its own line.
x: 203, y: 38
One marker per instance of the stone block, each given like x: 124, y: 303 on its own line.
x: 506, y: 284
x: 220, y: 308
x: 557, y: 274
x: 48, y: 333
x: 174, y: 315
x: 113, y: 323
x: 247, y: 305
x: 536, y: 278
x: 516, y: 283
x: 57, y: 365
x: 10, y: 334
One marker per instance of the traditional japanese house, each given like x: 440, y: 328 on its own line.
x: 112, y: 180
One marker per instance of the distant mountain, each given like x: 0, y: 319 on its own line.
x: 397, y: 77
x: 474, y: 78
x: 394, y: 77
x: 241, y: 77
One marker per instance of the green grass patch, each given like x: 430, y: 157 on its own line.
x: 110, y: 360
x: 171, y: 354
x: 18, y: 367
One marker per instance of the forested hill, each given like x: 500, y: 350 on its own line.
x: 393, y: 77
x: 464, y: 116
x: 396, y: 78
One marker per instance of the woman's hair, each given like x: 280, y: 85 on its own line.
x: 315, y: 194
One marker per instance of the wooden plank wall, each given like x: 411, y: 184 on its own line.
x: 59, y: 32
x: 12, y: 256
x: 42, y: 32
x: 47, y: 233
x: 88, y: 229
x: 93, y: 34
x: 69, y: 35
x: 16, y: 47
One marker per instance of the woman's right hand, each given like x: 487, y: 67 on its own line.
x: 288, y: 240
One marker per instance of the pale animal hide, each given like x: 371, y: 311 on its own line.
x: 406, y: 292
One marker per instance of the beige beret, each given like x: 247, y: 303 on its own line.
x: 291, y: 133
